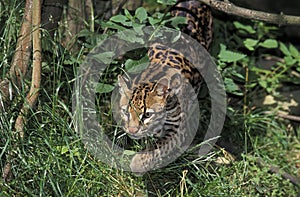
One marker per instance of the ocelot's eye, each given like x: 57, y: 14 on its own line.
x: 147, y: 115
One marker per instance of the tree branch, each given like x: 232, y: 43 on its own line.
x: 22, y: 56
x: 230, y: 8
x: 285, y: 116
x: 17, y: 71
x: 32, y: 96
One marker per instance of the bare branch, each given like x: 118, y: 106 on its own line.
x: 285, y: 116
x: 22, y: 56
x: 230, y: 8
x: 32, y: 96
x: 17, y: 71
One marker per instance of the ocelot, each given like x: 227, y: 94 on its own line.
x: 155, y: 102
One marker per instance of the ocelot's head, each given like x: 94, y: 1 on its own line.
x: 143, y: 107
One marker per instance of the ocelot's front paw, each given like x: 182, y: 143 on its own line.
x: 141, y: 163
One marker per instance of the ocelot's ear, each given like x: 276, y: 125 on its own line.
x: 162, y: 86
x: 123, y: 84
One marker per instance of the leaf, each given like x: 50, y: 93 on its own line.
x: 176, y: 37
x: 119, y: 19
x: 289, y: 60
x: 138, y: 28
x: 250, y: 44
x: 64, y: 149
x: 221, y: 64
x: 175, y: 21
x: 298, y: 68
x: 263, y: 83
x: 246, y: 28
x: 284, y: 49
x: 112, y: 25
x: 130, y: 36
x: 261, y: 70
x: 129, y: 152
x: 85, y: 33
x: 76, y: 152
x: 294, y: 51
x: 105, y: 57
x: 235, y: 74
x: 231, y: 87
x: 166, y: 2
x: 127, y: 14
x: 136, y: 66
x: 153, y: 21
x: 141, y: 14
x: 269, y: 44
x: 104, y: 88
x: 229, y: 56
x: 251, y: 85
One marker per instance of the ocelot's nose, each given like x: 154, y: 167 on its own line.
x: 133, y: 129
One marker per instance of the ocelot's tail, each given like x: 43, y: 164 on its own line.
x: 199, y: 20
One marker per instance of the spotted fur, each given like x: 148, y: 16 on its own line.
x: 151, y: 105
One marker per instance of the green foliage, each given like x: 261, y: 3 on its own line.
x: 104, y: 88
x: 272, y: 79
x: 141, y: 14
x: 241, y: 27
x: 256, y: 39
x: 229, y: 56
x: 121, y: 22
x: 226, y: 56
x: 135, y: 22
x: 51, y: 160
x: 140, y: 19
x: 105, y: 57
x: 231, y: 87
x: 166, y: 2
x: 136, y: 66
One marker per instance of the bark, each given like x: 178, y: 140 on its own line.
x: 21, y: 57
x: 33, y: 16
x: 230, y: 8
x: 33, y: 94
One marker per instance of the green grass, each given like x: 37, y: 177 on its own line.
x: 51, y: 160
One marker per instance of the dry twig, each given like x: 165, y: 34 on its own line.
x: 285, y: 116
x: 277, y: 170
